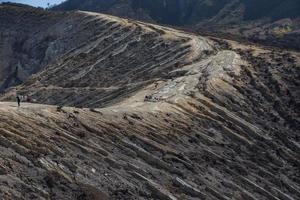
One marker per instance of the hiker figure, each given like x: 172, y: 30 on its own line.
x: 29, y: 99
x: 18, y: 100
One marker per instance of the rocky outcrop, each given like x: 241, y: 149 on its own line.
x: 20, y: 54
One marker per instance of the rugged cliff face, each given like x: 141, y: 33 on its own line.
x: 142, y: 111
x: 33, y: 38
x: 23, y: 42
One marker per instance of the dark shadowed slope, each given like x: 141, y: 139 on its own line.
x: 20, y: 54
x: 183, y: 12
x: 32, y: 38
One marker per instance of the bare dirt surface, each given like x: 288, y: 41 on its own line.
x: 146, y: 112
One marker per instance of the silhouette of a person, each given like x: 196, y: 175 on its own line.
x: 18, y: 100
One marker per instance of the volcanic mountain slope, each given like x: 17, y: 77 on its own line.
x: 183, y: 12
x: 18, y: 27
x: 272, y: 22
x: 220, y: 121
x: 121, y: 57
x: 31, y: 38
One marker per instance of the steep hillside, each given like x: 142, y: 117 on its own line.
x: 31, y: 38
x: 20, y: 55
x: 251, y: 19
x: 142, y: 111
x: 121, y: 57
x: 182, y: 12
x: 224, y: 131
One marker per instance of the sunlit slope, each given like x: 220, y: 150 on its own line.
x: 154, y: 113
x: 209, y: 136
x: 121, y: 57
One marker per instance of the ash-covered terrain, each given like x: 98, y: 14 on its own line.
x: 272, y: 22
x: 130, y: 110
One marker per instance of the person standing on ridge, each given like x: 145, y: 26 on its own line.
x: 18, y: 100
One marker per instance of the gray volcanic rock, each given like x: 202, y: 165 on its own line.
x: 157, y: 113
x: 33, y: 38
x: 121, y: 57
x: 249, y: 19
x: 20, y: 54
x: 183, y: 12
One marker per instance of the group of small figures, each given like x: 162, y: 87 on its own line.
x: 151, y: 98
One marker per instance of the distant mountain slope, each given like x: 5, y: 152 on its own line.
x: 274, y: 9
x: 182, y: 12
x: 208, y: 15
